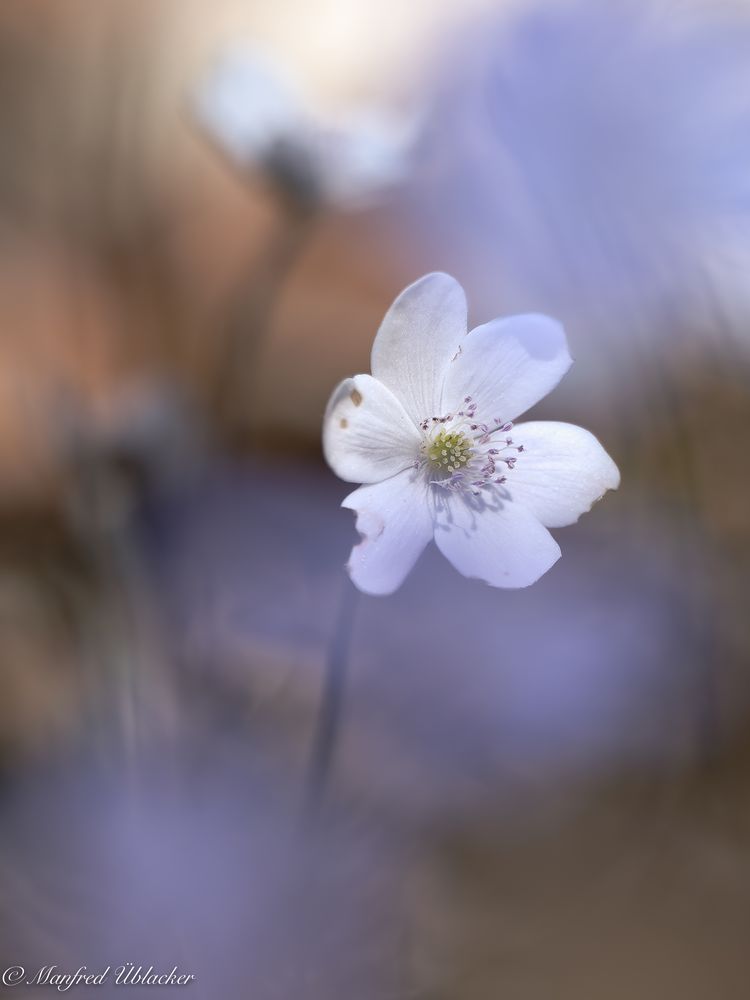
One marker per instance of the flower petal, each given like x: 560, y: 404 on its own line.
x: 419, y: 335
x: 247, y: 105
x: 395, y: 521
x: 367, y: 436
x: 562, y: 471
x: 494, y: 539
x: 508, y: 365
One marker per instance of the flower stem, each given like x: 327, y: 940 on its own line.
x: 328, y: 722
x: 248, y: 319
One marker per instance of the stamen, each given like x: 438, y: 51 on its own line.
x: 461, y: 457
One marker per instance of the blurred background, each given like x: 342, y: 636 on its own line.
x: 205, y: 210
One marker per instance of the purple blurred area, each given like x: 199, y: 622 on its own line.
x: 531, y: 794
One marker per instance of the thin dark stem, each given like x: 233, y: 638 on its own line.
x: 249, y: 316
x: 702, y: 606
x: 330, y: 713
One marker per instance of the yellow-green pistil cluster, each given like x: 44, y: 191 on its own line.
x: 448, y: 451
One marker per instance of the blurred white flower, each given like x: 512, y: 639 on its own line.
x: 256, y: 115
x: 430, y: 433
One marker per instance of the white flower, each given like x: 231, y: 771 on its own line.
x: 259, y: 119
x: 430, y: 434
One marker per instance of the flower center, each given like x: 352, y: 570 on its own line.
x: 448, y: 451
x: 472, y: 456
